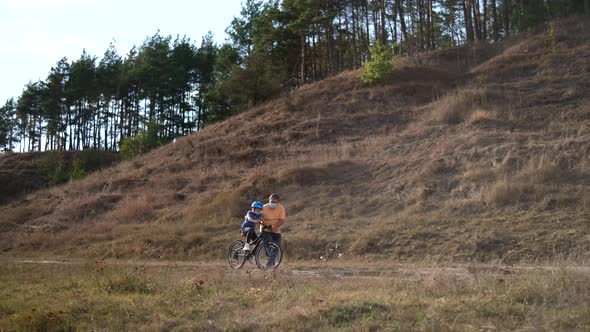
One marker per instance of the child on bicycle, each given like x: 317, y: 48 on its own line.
x: 252, y: 218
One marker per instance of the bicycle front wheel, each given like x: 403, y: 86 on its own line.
x: 269, y: 256
x: 235, y: 255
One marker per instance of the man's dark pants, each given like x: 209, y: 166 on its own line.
x: 276, y: 238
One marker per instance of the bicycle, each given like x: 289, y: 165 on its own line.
x: 263, y: 255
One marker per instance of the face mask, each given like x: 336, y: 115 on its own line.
x: 273, y: 205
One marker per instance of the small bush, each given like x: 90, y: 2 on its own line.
x: 144, y: 142
x: 550, y: 37
x: 345, y: 314
x: 381, y: 66
x: 87, y: 160
x: 36, y: 320
x: 61, y: 166
x: 55, y: 168
x: 132, y: 146
x: 78, y: 171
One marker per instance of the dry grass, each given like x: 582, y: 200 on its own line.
x: 135, y: 209
x: 460, y: 143
x: 508, y: 192
x: 541, y: 179
x: 479, y: 117
x: 98, y: 296
x: 455, y: 107
x: 543, y: 169
x: 88, y: 205
x: 221, y: 208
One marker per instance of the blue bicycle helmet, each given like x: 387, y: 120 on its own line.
x: 257, y: 205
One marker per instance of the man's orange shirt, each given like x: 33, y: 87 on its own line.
x: 271, y: 216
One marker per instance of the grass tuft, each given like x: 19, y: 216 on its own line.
x: 127, y: 282
x: 480, y: 116
x: 507, y: 192
x: 42, y: 320
x: 454, y: 107
x: 347, y: 314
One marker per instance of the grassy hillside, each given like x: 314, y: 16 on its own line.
x: 23, y: 173
x: 467, y: 154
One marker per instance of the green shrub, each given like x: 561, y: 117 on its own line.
x: 58, y: 167
x: 78, y: 171
x: 550, y: 37
x: 345, y: 314
x: 145, y: 141
x: 87, y: 160
x: 381, y: 65
x: 55, y: 167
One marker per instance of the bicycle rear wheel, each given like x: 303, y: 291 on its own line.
x: 235, y: 255
x: 268, y: 257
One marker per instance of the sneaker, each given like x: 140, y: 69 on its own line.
x: 246, y: 247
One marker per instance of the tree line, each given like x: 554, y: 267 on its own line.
x: 89, y: 103
x: 168, y: 87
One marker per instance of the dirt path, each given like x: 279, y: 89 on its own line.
x: 340, y: 269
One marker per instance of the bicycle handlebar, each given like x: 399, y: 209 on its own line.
x: 264, y: 226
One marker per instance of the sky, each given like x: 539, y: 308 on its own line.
x: 36, y: 34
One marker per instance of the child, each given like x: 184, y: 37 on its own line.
x: 253, y: 217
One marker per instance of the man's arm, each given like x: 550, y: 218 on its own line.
x: 264, y: 225
x: 281, y: 220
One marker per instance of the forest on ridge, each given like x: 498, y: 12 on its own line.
x: 172, y: 86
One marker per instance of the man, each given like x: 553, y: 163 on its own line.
x: 273, y: 215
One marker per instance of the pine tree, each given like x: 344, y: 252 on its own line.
x: 108, y: 75
x: 8, y: 125
x: 208, y: 56
x: 380, y: 66
x: 274, y: 46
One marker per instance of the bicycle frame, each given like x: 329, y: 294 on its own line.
x: 253, y: 246
x: 256, y: 247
